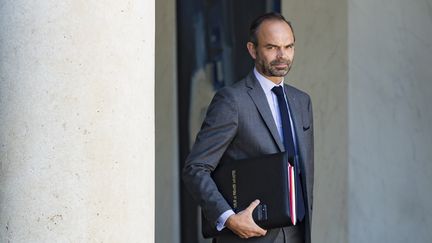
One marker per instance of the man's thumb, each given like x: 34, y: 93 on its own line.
x: 253, y: 205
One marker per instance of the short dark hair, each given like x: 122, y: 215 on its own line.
x: 260, y: 19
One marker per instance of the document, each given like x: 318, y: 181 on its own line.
x: 242, y: 181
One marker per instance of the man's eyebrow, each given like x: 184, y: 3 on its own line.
x: 273, y: 45
x: 269, y: 44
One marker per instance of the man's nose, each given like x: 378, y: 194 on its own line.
x: 280, y: 53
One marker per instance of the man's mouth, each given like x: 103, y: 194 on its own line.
x: 280, y: 65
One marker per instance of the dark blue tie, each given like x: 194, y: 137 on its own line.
x: 289, y: 147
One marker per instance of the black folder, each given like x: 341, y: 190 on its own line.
x: 242, y: 181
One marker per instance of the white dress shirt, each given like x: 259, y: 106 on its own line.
x: 267, y: 86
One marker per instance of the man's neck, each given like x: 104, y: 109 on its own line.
x: 273, y: 79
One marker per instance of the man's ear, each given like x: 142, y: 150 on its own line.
x: 252, y: 50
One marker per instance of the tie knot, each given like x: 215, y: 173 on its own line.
x: 278, y: 90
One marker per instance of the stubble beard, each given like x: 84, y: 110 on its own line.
x: 270, y: 69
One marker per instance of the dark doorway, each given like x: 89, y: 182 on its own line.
x: 211, y: 42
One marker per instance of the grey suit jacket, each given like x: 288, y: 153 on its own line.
x: 238, y: 125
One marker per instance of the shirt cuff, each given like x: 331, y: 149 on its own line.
x: 220, y: 223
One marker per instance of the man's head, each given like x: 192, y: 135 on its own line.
x: 271, y: 45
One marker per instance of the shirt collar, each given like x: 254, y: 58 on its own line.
x: 266, y: 84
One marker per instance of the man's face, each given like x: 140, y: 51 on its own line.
x: 275, y: 50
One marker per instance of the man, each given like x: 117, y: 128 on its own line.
x: 246, y: 121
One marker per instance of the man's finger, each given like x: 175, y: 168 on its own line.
x: 262, y: 231
x: 258, y: 230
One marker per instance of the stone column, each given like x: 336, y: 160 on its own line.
x: 390, y: 87
x: 77, y: 121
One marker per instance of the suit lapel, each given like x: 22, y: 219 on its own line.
x: 296, y: 113
x: 295, y: 108
x: 260, y: 100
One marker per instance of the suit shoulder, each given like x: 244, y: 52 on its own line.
x: 234, y: 90
x: 298, y: 92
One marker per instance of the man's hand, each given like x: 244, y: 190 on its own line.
x: 243, y: 225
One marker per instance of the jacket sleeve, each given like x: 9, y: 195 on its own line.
x: 217, y: 131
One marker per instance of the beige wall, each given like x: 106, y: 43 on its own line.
x: 320, y: 68
x: 390, y: 114
x: 366, y: 65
